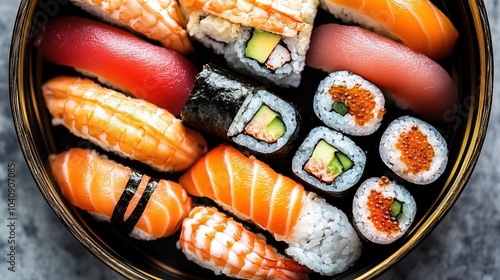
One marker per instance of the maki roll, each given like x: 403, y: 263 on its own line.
x: 268, y: 40
x: 382, y: 210
x: 329, y: 161
x: 231, y: 108
x: 414, y: 150
x: 348, y: 103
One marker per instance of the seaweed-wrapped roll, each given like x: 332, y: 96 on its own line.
x: 382, y: 210
x: 268, y: 39
x: 232, y: 108
x: 329, y: 161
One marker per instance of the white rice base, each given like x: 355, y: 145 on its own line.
x: 246, y: 113
x: 361, y: 213
x: 390, y: 154
x: 323, y: 103
x: 323, y: 239
x: 348, y: 15
x: 135, y: 233
x: 348, y: 178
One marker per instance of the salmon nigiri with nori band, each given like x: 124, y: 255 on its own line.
x: 318, y: 234
x: 418, y: 24
x: 144, y: 207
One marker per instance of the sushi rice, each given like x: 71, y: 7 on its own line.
x: 323, y: 104
x: 361, y: 213
x: 246, y: 113
x: 345, y: 145
x: 391, y: 155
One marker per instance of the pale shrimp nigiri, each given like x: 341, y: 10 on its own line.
x: 319, y: 235
x: 142, y: 206
x: 219, y: 243
x: 130, y: 127
x: 160, y: 20
x: 416, y: 23
x: 281, y: 17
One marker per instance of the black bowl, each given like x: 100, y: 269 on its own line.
x: 470, y: 67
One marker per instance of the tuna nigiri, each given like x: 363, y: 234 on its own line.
x: 413, y: 79
x: 223, y: 245
x: 142, y: 206
x: 160, y: 20
x: 318, y: 234
x: 128, y: 126
x: 120, y: 59
x: 417, y: 23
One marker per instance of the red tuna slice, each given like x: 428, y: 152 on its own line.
x: 414, y: 80
x: 153, y: 73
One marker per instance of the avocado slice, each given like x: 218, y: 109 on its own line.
x: 344, y: 160
x: 323, y: 152
x: 261, y: 44
x: 266, y: 125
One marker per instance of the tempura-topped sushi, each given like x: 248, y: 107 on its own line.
x: 265, y: 39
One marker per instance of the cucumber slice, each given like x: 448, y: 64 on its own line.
x: 396, y: 208
x: 344, y: 160
x: 340, y: 108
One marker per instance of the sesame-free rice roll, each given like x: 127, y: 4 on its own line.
x: 349, y: 103
x: 414, y: 150
x: 382, y: 210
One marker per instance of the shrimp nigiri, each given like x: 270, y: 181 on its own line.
x: 142, y: 206
x: 319, y: 235
x: 130, y: 127
x: 416, y: 23
x: 160, y: 20
x: 413, y: 79
x: 219, y: 243
x: 281, y: 17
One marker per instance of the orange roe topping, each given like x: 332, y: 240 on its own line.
x: 416, y: 152
x: 360, y: 102
x: 380, y: 211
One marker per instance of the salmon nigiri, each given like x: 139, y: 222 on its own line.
x: 130, y: 127
x: 416, y: 23
x: 142, y: 206
x: 118, y: 58
x: 413, y: 79
x: 319, y: 235
x: 218, y: 242
x: 160, y: 20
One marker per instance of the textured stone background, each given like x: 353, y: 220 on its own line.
x: 465, y: 245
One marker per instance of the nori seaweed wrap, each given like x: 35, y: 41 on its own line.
x: 235, y: 109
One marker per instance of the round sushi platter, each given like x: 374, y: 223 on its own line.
x: 209, y: 124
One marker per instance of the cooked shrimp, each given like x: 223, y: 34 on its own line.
x: 281, y: 17
x: 159, y: 20
x: 130, y: 127
x: 217, y: 242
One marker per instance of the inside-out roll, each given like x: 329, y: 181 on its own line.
x: 382, y: 210
x: 348, y: 103
x: 414, y: 150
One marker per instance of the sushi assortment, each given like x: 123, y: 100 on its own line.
x: 212, y: 133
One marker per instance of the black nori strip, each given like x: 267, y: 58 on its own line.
x: 134, y: 217
x: 216, y: 97
x: 117, y: 218
x: 121, y: 206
